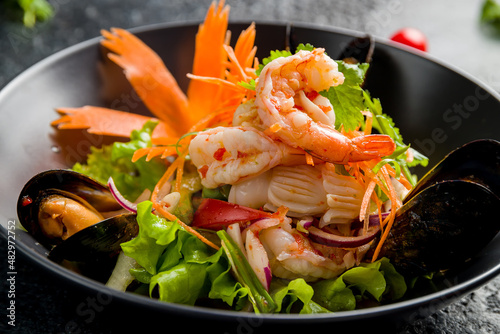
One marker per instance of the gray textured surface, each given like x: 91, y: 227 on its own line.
x: 451, y: 26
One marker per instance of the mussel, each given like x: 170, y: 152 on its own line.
x: 66, y: 212
x: 451, y: 214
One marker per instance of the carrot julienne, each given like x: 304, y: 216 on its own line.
x: 159, y: 208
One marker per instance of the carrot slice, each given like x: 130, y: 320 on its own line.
x: 149, y: 76
x: 389, y: 221
x: 216, y: 82
x: 245, y: 49
x: 208, y: 60
x: 100, y: 121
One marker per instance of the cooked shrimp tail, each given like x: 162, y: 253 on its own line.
x: 371, y: 147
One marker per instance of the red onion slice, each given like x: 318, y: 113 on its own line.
x: 125, y: 203
x: 333, y: 240
x: 304, y: 223
x: 373, y: 221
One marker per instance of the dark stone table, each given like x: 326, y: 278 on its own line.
x: 454, y: 34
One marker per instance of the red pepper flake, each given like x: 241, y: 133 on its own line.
x: 300, y: 242
x: 312, y: 95
x: 26, y: 201
x: 242, y: 155
x: 219, y: 154
x: 203, y: 171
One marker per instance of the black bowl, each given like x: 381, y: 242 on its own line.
x: 437, y: 108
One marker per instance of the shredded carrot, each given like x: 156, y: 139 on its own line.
x: 218, y: 81
x: 363, y: 172
x: 388, y: 223
x: 178, y: 176
x: 365, y: 203
x: 159, y: 208
x: 237, y: 66
x: 402, y: 179
x: 147, y: 151
x: 244, y: 49
x: 379, y: 203
x: 280, y: 213
x: 395, y: 201
x: 164, y: 179
x: 214, y: 118
x: 395, y: 204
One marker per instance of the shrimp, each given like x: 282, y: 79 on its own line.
x: 279, y: 92
x: 228, y: 155
x: 291, y: 255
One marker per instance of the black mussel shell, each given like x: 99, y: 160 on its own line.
x: 98, y: 241
x: 442, y: 227
x: 65, y: 181
x: 30, y: 215
x: 93, y: 251
x: 477, y: 161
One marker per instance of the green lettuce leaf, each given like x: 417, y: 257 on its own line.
x: 115, y: 160
x: 396, y: 284
x: 295, y: 296
x: 377, y: 281
x: 339, y: 294
x: 225, y: 287
x: 155, y: 234
x: 178, y: 267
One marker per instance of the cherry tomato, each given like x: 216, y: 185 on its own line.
x: 411, y: 37
x: 215, y: 214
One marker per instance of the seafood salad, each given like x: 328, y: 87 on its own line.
x: 272, y: 185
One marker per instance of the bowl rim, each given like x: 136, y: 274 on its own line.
x: 447, y: 294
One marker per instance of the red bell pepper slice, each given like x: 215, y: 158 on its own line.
x: 215, y: 214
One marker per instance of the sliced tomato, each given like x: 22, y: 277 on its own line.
x: 411, y: 37
x: 215, y: 214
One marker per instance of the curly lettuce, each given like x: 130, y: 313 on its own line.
x: 115, y: 160
x: 376, y: 281
x: 179, y: 268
